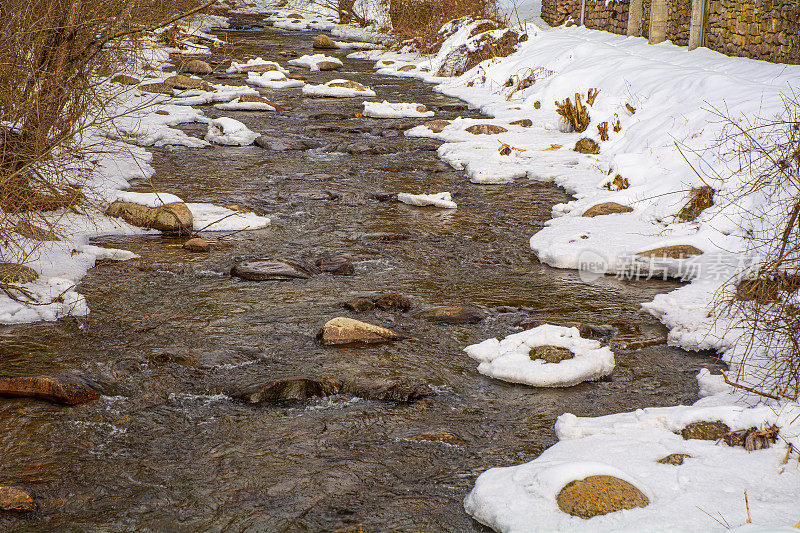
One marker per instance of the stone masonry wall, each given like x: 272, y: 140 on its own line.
x: 759, y: 29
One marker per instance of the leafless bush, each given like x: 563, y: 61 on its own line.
x: 765, y: 158
x: 420, y: 20
x: 53, y: 55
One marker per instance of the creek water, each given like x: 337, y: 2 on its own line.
x: 170, y: 333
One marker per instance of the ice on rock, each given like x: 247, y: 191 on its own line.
x: 441, y: 199
x: 509, y: 359
x: 230, y: 132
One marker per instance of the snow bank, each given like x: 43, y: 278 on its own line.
x: 441, y: 199
x: 510, y: 360
x: 229, y: 131
x: 395, y: 110
x: 333, y: 89
x: 628, y: 445
x: 312, y: 61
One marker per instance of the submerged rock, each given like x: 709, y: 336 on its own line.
x: 340, y: 266
x: 388, y: 390
x: 343, y: 330
x: 452, y: 314
x: 392, y: 301
x: 17, y: 274
x: 438, y: 436
x: 295, y: 389
x: 599, y: 495
x: 196, y: 245
x: 268, y: 270
x: 173, y: 218
x: 16, y: 500
x: 292, y: 389
x: 359, y: 305
x: 66, y: 390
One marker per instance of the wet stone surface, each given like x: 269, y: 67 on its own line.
x: 165, y: 448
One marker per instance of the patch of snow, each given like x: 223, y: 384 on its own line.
x: 209, y: 217
x: 312, y: 61
x: 442, y: 199
x: 230, y: 132
x: 330, y: 91
x: 273, y: 80
x: 394, y: 110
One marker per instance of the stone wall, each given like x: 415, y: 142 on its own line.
x: 611, y: 17
x: 679, y: 17
x: 760, y: 29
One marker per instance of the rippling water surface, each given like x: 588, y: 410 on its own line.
x: 167, y: 450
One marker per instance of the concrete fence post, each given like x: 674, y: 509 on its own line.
x: 697, y: 24
x: 658, y: 21
x: 635, y: 13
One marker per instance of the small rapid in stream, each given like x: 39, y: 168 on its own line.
x: 170, y: 333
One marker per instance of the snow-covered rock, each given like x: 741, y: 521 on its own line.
x: 229, y: 131
x: 510, y: 359
x: 441, y: 199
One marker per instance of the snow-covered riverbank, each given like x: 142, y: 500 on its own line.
x: 135, y: 117
x: 665, y: 111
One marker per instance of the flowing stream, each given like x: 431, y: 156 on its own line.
x: 170, y: 333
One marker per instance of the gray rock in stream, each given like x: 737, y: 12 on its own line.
x: 452, y: 314
x: 268, y: 270
x: 297, y: 389
x: 284, y: 144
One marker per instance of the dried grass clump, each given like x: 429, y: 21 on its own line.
x: 700, y: 199
x: 577, y: 114
x: 421, y: 20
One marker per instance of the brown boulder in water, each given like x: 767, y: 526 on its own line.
x: 66, y: 390
x: 15, y: 500
x: 342, y: 330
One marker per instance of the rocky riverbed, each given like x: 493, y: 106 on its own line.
x: 174, y: 340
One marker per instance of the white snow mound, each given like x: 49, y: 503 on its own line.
x: 394, y: 110
x: 509, y: 359
x: 440, y: 199
x: 230, y: 132
x: 312, y: 62
x: 331, y: 90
